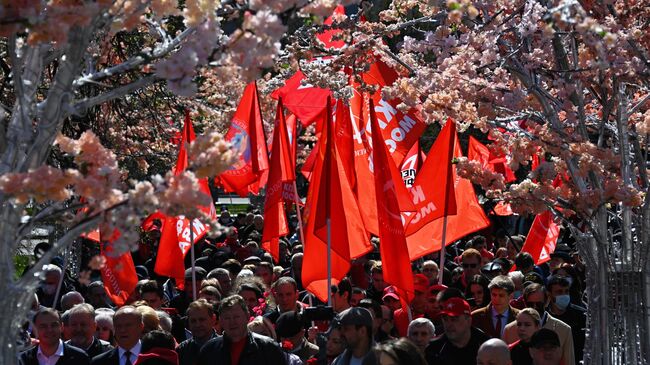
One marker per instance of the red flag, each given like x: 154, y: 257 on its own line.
x: 503, y: 209
x: 119, y: 277
x: 399, y: 130
x: 176, y: 238
x: 469, y: 216
x: 330, y: 196
x: 326, y: 36
x: 394, y: 252
x: 246, y: 133
x: 305, y: 101
x: 496, y: 163
x: 411, y: 165
x: 542, y: 237
x: 289, y: 193
x: 434, y: 188
x: 281, y: 170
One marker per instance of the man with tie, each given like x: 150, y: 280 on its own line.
x: 128, y: 326
x: 493, y: 318
x: 51, y: 349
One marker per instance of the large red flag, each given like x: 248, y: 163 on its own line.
x: 542, y: 237
x: 434, y: 186
x: 305, y: 101
x: 281, y: 170
x: 246, y: 133
x: 469, y: 216
x: 118, y: 274
x: 330, y: 196
x: 477, y: 151
x: 176, y: 238
x: 394, y: 253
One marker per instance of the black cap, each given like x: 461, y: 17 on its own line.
x: 289, y: 324
x: 491, y: 267
x: 200, y: 273
x: 142, y: 272
x: 252, y: 260
x: 562, y: 251
x: 544, y: 336
x: 355, y: 316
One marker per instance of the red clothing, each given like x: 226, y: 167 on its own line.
x: 401, y: 318
x: 236, y: 350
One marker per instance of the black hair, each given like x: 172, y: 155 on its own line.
x: 157, y: 338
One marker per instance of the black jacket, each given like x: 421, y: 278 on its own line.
x: 98, y: 347
x: 441, y: 352
x: 111, y: 357
x: 188, y: 350
x: 71, y: 356
x: 257, y: 350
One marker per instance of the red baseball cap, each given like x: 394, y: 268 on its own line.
x: 390, y: 292
x: 420, y: 283
x: 455, y: 307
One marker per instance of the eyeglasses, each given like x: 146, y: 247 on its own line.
x: 422, y: 333
x: 428, y: 270
x: 469, y: 266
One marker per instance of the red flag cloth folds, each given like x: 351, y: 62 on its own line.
x: 411, y: 165
x: 246, y: 133
x: 176, y: 238
x: 393, y: 247
x: 434, y: 186
x: 305, y: 101
x: 479, y: 152
x: 542, y: 237
x: 281, y: 170
x: 118, y: 273
x: 330, y: 196
x: 469, y: 216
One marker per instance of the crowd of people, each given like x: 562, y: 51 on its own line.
x: 238, y: 306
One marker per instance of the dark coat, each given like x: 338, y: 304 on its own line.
x: 111, y: 357
x: 98, y: 347
x: 188, y: 350
x: 482, y: 319
x: 71, y: 356
x: 257, y: 350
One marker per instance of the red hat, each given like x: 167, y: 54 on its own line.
x: 437, y: 288
x: 455, y: 307
x: 390, y: 292
x: 420, y: 283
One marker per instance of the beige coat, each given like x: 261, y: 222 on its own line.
x: 562, y: 329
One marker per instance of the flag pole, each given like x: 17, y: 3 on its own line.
x: 60, y: 283
x: 296, y: 200
x: 193, y: 264
x: 450, y: 179
x: 329, y: 263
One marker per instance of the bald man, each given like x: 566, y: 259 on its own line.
x: 493, y: 352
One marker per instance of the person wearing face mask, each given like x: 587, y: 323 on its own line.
x: 561, y: 308
x: 47, y: 291
x: 535, y: 297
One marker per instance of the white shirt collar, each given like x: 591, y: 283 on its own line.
x: 135, y: 350
x: 58, y: 352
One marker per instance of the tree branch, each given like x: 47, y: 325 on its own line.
x: 80, y: 107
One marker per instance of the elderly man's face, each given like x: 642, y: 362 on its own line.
x: 421, y: 336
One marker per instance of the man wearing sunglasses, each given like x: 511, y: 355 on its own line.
x: 471, y: 263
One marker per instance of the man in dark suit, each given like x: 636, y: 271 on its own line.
x: 51, y: 350
x: 128, y: 326
x: 82, y: 325
x: 493, y: 318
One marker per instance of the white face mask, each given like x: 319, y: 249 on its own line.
x: 562, y: 301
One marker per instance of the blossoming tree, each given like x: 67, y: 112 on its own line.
x: 563, y: 89
x: 62, y: 60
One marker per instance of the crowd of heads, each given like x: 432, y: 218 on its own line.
x: 235, y: 289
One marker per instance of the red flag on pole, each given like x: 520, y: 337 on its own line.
x: 479, y: 152
x: 394, y: 252
x: 119, y: 276
x: 411, y: 165
x: 435, y: 182
x: 175, y: 240
x: 469, y: 216
x: 281, y: 170
x: 542, y: 237
x: 246, y: 133
x: 330, y: 196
